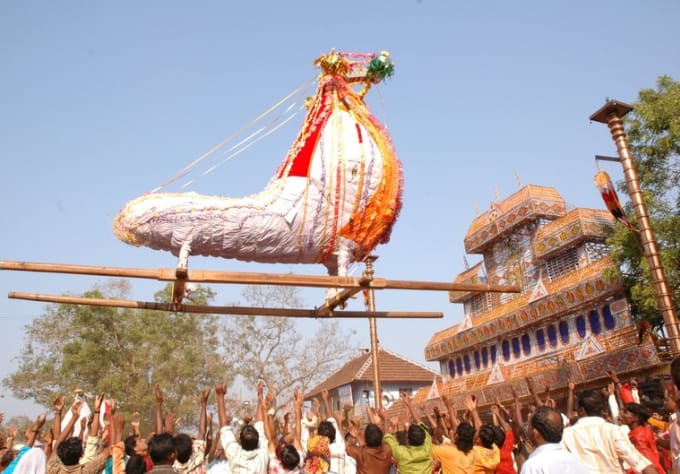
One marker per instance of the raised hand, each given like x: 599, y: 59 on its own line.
x: 158, y: 393
x: 75, y: 409
x: 220, y: 389
x: 99, y: 399
x: 170, y: 422
x: 268, y: 400
x: 298, y: 397
x: 58, y: 403
x: 470, y: 402
x: 135, y: 419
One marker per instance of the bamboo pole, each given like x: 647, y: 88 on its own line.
x: 373, y: 330
x: 252, y: 278
x: 234, y: 310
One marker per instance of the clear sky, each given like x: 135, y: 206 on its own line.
x: 102, y: 101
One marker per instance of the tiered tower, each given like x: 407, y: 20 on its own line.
x: 572, y: 318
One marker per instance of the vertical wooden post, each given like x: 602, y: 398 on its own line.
x: 375, y: 346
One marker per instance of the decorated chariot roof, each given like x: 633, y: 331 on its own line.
x: 529, y: 203
x: 580, y: 224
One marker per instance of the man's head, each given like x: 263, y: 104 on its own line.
x: 499, y: 436
x: 591, y: 402
x: 547, y: 426
x: 250, y: 438
x: 638, y: 413
x: 326, y: 429
x: 465, y: 437
x: 486, y: 436
x: 70, y: 451
x: 183, y: 447
x: 162, y: 449
x: 290, y: 458
x: 416, y: 435
x: 373, y: 435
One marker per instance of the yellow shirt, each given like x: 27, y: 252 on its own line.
x: 453, y: 460
x: 486, y: 460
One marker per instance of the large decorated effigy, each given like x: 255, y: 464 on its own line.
x: 332, y: 200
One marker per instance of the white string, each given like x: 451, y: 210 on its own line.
x: 184, y: 171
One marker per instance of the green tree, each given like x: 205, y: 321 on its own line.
x: 123, y: 353
x: 284, y: 352
x: 653, y: 130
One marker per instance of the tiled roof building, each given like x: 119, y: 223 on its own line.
x: 353, y: 382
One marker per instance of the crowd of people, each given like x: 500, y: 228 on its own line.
x: 608, y: 430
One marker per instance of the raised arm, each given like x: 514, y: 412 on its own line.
x: 117, y: 446
x: 202, y: 420
x: 471, y: 405
x: 260, y: 416
x: 68, y: 429
x: 532, y: 391
x: 326, y: 404
x: 159, y: 409
x: 377, y: 417
x: 617, y: 384
x: 34, y: 429
x: 94, y: 426
x: 58, y: 405
x: 453, y: 415
x: 269, y: 426
x: 298, y: 400
x: 499, y: 418
x: 570, y: 396
x: 222, y: 416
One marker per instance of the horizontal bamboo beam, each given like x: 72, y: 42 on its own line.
x: 234, y: 310
x: 252, y: 278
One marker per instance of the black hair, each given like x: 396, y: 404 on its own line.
x: 465, y: 437
x: 592, y: 402
x: 70, y: 451
x: 416, y: 435
x: 290, y: 458
x: 161, y: 448
x: 135, y: 465
x: 326, y: 429
x: 640, y: 411
x: 373, y: 435
x: 487, y: 436
x: 130, y: 444
x: 499, y: 435
x: 183, y: 447
x: 250, y: 438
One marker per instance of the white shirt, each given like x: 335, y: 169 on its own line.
x: 551, y: 458
x: 602, y: 446
x: 240, y: 460
x: 341, y: 462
